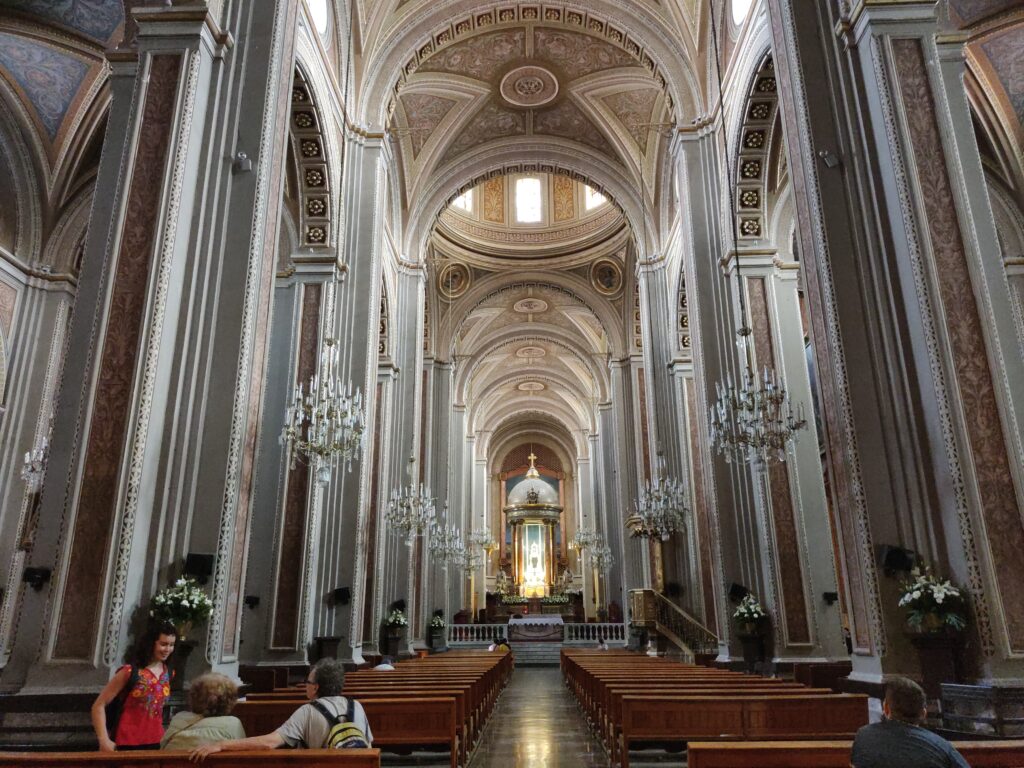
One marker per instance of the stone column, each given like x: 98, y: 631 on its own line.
x: 440, y: 456
x: 173, y: 306
x: 925, y: 450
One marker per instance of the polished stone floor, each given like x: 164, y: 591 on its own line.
x: 537, y: 725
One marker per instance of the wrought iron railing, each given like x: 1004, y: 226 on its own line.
x: 591, y: 633
x: 654, y: 611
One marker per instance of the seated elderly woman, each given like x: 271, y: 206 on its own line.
x: 211, y: 698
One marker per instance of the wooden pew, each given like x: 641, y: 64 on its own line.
x: 831, y: 754
x: 342, y: 758
x: 682, y: 718
x: 394, y: 721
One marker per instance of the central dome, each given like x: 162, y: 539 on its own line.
x: 532, y: 490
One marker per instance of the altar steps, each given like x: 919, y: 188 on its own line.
x: 536, y: 654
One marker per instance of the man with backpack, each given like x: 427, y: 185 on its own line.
x: 329, y: 720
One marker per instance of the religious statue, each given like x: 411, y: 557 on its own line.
x: 534, y: 569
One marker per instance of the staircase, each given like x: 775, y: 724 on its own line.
x: 531, y: 654
x: 655, y: 612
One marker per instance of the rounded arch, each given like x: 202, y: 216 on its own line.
x: 506, y: 157
x: 3, y: 373
x: 646, y: 35
x: 23, y: 186
x: 512, y: 431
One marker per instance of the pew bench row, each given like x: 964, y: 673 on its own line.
x: 831, y: 754
x: 312, y: 758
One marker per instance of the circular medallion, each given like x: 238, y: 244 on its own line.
x: 531, y: 386
x: 606, y: 276
x: 531, y: 352
x: 453, y: 280
x: 530, y: 306
x: 529, y: 86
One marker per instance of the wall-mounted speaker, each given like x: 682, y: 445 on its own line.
x: 895, y: 559
x: 252, y: 601
x: 830, y: 597
x: 341, y: 596
x: 199, y: 566
x: 737, y: 592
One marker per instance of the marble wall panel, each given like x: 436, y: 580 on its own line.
x: 93, y: 526
x: 701, y: 512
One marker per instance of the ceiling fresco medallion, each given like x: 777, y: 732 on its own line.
x: 529, y: 86
x: 530, y: 306
x: 606, y: 277
x: 454, y: 280
x: 531, y: 386
x: 531, y: 352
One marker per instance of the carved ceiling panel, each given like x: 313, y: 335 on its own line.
x: 567, y: 121
x: 492, y: 122
x: 634, y: 109
x: 577, y: 54
x: 424, y: 113
x: 483, y: 57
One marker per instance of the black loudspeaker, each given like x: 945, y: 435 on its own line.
x: 341, y: 596
x: 200, y: 567
x: 252, y: 601
x: 737, y: 592
x: 896, y: 559
x: 36, y: 577
x: 830, y: 597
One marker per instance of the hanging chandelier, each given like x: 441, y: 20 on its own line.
x: 584, y: 539
x: 603, y: 559
x: 484, y: 540
x: 445, y: 541
x: 34, y: 466
x: 660, y: 509
x: 410, y: 512
x: 752, y: 419
x: 471, y: 560
x: 325, y: 422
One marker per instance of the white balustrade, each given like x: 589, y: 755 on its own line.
x: 466, y: 634
x: 591, y: 633
x: 476, y: 633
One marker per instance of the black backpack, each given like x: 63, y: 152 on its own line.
x: 116, y: 706
x: 342, y: 734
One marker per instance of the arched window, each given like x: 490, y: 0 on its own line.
x: 740, y: 9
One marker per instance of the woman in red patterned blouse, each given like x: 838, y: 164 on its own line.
x: 141, y: 722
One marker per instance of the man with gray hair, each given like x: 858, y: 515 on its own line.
x: 311, y: 725
x: 899, y: 740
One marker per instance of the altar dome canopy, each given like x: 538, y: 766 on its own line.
x: 533, y: 491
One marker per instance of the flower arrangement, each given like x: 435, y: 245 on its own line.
x: 182, y: 604
x: 555, y: 600
x: 437, y: 623
x: 396, y: 619
x: 933, y: 603
x: 513, y: 600
x: 749, y: 612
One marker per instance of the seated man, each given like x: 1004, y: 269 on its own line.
x: 899, y: 739
x: 387, y: 664
x: 308, y: 727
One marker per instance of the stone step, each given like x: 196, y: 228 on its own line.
x: 537, y: 654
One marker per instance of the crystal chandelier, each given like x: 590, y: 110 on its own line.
x: 325, y: 423
x: 410, y: 511
x: 753, y: 420
x: 471, y: 560
x: 583, y: 539
x: 484, y: 540
x: 34, y: 466
x: 445, y: 542
x: 660, y: 510
x: 603, y: 559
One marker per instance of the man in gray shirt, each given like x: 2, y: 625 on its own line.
x: 307, y: 727
x: 899, y: 740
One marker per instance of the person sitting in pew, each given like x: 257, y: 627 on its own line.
x: 899, y: 739
x: 328, y: 720
x: 387, y: 664
x: 211, y: 697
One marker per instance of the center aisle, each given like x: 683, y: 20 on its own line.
x: 537, y: 725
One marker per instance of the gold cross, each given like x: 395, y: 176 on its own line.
x: 532, y: 458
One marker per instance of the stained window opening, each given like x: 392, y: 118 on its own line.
x: 528, y: 201
x: 593, y: 198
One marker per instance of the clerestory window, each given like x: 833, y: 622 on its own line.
x: 528, y: 200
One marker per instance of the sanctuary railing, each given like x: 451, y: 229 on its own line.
x: 591, y: 633
x: 476, y: 633
x: 656, y: 612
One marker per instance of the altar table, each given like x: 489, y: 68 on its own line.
x: 541, y: 627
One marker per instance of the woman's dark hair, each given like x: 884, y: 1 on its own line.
x: 141, y: 652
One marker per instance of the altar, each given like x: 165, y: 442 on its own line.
x: 542, y: 628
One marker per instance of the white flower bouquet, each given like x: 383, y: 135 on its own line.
x: 933, y: 603
x: 182, y: 604
x: 396, y: 619
x: 437, y: 623
x: 749, y: 612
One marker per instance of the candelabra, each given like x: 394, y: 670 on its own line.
x: 325, y: 423
x: 660, y: 510
x: 410, y: 511
x: 34, y: 467
x: 471, y: 561
x: 484, y: 540
x: 753, y: 420
x: 445, y: 542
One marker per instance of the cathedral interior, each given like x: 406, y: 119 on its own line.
x: 547, y: 321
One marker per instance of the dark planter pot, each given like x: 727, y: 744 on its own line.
x: 393, y: 641
x: 437, y: 638
x: 178, y: 663
x: 753, y: 650
x: 941, y: 657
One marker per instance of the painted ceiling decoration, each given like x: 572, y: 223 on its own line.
x: 46, y: 78
x: 95, y: 19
